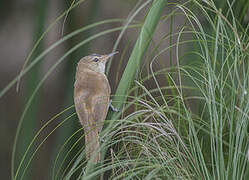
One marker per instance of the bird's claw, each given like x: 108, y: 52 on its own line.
x: 112, y: 107
x: 101, y: 139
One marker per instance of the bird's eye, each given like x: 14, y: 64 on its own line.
x: 95, y: 59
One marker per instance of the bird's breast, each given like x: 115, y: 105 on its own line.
x: 90, y: 83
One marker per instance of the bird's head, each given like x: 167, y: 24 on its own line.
x: 96, y: 62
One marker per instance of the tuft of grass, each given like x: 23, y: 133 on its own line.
x: 194, y: 125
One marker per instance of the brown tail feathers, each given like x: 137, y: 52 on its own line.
x: 92, y: 145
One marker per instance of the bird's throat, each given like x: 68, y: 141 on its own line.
x: 101, y: 67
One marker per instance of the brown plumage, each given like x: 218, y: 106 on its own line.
x: 91, y: 99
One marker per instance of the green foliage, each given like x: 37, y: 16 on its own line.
x: 191, y: 124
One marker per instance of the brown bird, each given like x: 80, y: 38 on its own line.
x: 92, y: 99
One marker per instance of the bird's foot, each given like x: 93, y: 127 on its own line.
x: 112, y: 107
x: 101, y: 139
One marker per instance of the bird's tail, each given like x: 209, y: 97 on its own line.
x: 92, y: 145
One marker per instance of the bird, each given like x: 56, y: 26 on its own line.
x: 92, y: 100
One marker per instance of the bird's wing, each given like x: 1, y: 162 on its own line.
x: 82, y: 112
x: 101, y: 103
x: 100, y: 111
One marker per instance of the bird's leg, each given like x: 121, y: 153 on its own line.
x: 112, y: 107
x: 101, y: 139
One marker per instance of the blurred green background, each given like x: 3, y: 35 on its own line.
x: 23, y: 22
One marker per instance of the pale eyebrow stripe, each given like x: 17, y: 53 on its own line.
x: 96, y: 55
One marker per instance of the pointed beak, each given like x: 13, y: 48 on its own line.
x: 111, y: 54
x: 106, y: 57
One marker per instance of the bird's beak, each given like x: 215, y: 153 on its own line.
x: 111, y: 54
x: 107, y: 56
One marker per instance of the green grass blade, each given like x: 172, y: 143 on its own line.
x: 139, y: 50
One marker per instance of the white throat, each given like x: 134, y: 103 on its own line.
x: 101, y: 67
